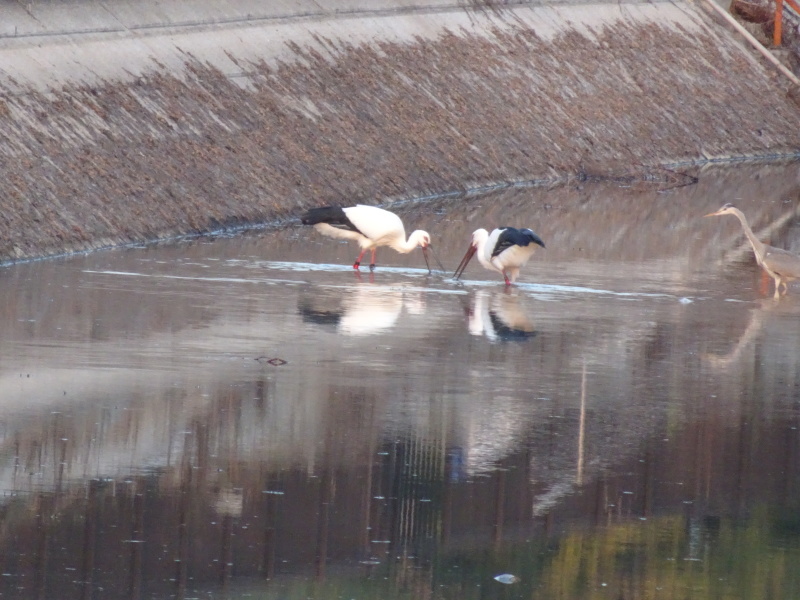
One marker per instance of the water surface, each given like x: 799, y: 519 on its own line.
x: 249, y: 417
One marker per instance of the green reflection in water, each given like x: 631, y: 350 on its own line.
x: 670, y: 558
x: 667, y: 557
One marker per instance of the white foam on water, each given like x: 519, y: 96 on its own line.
x: 540, y: 291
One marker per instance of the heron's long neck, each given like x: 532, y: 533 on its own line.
x: 758, y: 247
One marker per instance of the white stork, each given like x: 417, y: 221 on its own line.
x: 370, y: 227
x: 505, y: 250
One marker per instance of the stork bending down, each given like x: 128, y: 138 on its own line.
x: 370, y: 226
x: 505, y: 250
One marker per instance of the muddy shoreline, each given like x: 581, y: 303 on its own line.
x: 251, y: 125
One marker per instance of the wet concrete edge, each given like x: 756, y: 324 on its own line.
x: 114, y: 163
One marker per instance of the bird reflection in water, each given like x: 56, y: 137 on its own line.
x: 365, y: 310
x: 499, y: 316
x: 765, y: 309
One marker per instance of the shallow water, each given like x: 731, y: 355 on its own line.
x: 249, y: 417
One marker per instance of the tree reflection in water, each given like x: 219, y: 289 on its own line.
x: 409, y: 523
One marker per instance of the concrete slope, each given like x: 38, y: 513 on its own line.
x: 124, y: 122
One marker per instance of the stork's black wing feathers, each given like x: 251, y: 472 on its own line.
x: 515, y: 237
x: 332, y: 215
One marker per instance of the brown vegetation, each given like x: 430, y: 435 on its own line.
x: 90, y: 166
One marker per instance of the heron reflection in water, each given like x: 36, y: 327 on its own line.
x: 499, y: 316
x: 783, y: 266
x: 766, y: 310
x: 365, y: 310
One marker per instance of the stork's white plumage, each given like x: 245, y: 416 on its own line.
x: 505, y: 250
x: 370, y: 226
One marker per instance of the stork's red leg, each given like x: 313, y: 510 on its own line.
x: 358, y: 260
x: 372, y: 263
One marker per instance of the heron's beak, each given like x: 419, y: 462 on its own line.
x: 465, y: 261
x: 714, y: 214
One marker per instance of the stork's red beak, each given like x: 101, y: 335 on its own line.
x: 465, y: 261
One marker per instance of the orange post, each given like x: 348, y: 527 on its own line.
x: 777, y: 31
x: 755, y: 43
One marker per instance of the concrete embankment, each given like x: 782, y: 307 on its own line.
x: 131, y: 121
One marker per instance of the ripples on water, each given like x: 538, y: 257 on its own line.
x: 248, y: 417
